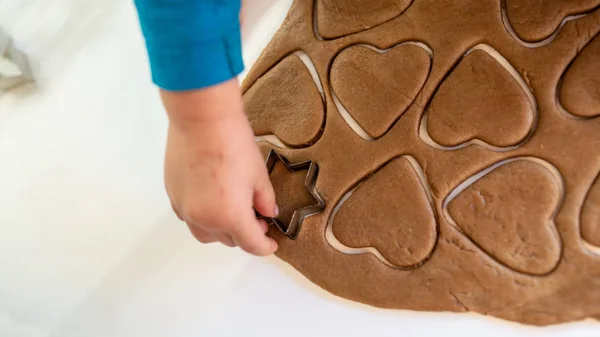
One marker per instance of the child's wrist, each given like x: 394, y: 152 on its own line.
x: 204, y: 106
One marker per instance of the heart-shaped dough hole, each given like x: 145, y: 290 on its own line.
x: 376, y: 86
x: 590, y: 215
x: 508, y: 211
x: 388, y: 214
x: 286, y: 103
x: 536, y: 20
x: 483, y: 99
x: 580, y: 88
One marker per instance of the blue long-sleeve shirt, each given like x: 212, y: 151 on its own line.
x: 191, y: 44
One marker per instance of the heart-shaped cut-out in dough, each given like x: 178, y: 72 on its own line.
x: 339, y: 18
x: 388, y: 214
x: 536, y: 20
x: 483, y: 100
x: 590, y: 215
x: 375, y: 87
x: 285, y: 106
x: 580, y: 85
x: 508, y: 211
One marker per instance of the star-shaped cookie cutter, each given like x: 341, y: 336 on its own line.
x: 14, y: 67
x: 293, y: 227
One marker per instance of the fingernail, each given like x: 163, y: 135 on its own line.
x: 276, y: 210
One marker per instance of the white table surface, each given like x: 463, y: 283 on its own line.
x: 88, y: 244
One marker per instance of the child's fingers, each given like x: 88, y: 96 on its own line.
x: 264, y: 225
x: 201, y: 235
x: 249, y: 235
x: 264, y: 196
x: 224, y: 238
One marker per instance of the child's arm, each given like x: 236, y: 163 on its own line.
x: 214, y: 173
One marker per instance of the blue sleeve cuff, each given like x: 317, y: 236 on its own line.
x: 191, y: 44
x: 197, y: 65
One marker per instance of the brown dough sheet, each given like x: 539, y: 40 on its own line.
x: 509, y: 207
x: 337, y: 18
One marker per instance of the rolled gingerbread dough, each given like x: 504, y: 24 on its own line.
x: 458, y: 145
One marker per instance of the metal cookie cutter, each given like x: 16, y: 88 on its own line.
x: 14, y: 67
x: 293, y: 227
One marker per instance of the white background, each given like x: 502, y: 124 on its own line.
x: 88, y: 244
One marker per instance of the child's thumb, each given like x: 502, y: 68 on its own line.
x: 264, y: 197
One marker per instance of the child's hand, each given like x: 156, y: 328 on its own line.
x: 214, y: 172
